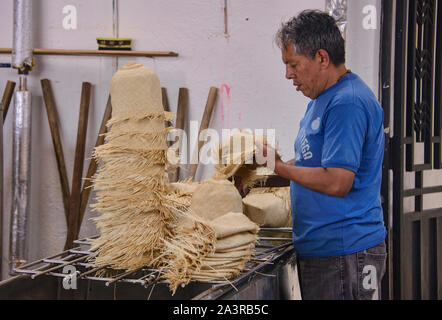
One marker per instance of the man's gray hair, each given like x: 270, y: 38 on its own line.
x: 310, y: 31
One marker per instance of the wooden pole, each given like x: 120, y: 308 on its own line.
x: 74, y: 209
x: 7, y: 97
x: 51, y: 111
x: 166, y: 104
x: 183, y: 99
x: 203, y: 126
x: 128, y: 53
x: 93, y: 165
x: 171, y: 171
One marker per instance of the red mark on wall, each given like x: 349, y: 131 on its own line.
x: 225, y: 105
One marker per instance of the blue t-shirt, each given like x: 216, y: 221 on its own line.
x: 342, y: 128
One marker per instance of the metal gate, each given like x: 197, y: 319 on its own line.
x: 413, y: 90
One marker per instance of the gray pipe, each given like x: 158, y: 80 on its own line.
x: 22, y: 49
x: 1, y: 189
x: 338, y: 10
x: 21, y: 173
x: 115, y: 29
x: 22, y: 59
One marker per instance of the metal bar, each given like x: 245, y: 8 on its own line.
x: 41, y: 260
x: 438, y: 95
x: 80, y: 252
x: 411, y: 85
x: 274, y: 239
x: 84, y: 274
x: 1, y: 189
x: 398, y: 147
x: 439, y: 256
x: 422, y: 191
x: 125, y: 274
x: 385, y: 83
x: 21, y: 173
x: 59, y: 266
x: 288, y: 230
x: 108, y: 53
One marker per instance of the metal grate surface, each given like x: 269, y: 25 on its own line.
x: 269, y: 248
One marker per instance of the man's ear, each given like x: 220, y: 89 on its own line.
x: 323, y: 58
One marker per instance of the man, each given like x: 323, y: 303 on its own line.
x: 338, y: 229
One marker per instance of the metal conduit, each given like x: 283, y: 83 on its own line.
x: 22, y: 60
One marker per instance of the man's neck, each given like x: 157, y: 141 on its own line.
x: 335, y: 74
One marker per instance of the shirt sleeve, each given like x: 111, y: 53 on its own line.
x: 345, y: 130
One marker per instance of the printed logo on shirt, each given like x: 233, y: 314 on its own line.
x: 316, y: 124
x: 305, y: 146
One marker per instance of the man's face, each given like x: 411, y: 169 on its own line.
x: 305, y: 72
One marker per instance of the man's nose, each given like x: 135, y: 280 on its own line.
x: 289, y: 74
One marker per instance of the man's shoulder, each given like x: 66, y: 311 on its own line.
x: 354, y: 93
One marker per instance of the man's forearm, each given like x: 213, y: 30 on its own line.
x: 323, y: 180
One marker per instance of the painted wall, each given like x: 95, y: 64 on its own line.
x: 247, y: 63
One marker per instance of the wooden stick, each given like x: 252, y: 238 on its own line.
x: 93, y: 165
x: 7, y: 97
x: 183, y: 99
x: 74, y: 209
x: 166, y: 106
x: 51, y: 111
x: 129, y: 53
x: 203, y: 126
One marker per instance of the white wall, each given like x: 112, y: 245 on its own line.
x: 248, y: 62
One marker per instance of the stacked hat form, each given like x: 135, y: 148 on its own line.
x: 138, y: 214
x: 236, y: 236
x: 131, y: 177
x: 269, y: 207
x: 218, y: 203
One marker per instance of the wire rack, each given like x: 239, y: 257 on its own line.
x: 267, y: 250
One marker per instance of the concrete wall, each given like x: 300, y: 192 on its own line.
x: 247, y: 62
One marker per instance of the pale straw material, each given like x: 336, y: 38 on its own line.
x: 140, y: 215
x: 269, y: 207
x: 236, y: 157
x: 189, y: 231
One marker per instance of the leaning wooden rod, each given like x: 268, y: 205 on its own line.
x: 67, y: 52
x: 75, y: 200
x: 93, y: 165
x: 51, y: 111
x: 7, y: 97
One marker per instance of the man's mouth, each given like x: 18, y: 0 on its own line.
x: 298, y: 86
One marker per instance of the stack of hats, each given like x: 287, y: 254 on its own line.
x: 236, y: 236
x: 218, y: 201
x: 137, y: 215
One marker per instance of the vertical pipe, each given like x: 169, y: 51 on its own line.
x: 115, y: 29
x: 115, y: 18
x: 21, y: 175
x: 22, y: 58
